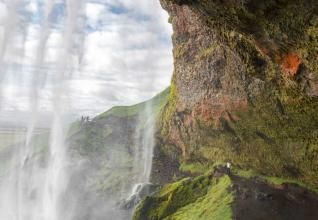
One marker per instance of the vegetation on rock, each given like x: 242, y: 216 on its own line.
x: 199, y: 198
x: 244, y: 90
x: 108, y: 144
x: 220, y: 195
x: 245, y: 86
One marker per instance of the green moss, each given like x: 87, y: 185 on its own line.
x: 169, y: 109
x: 205, y: 52
x: 170, y: 19
x: 179, y: 50
x: 197, y: 198
x: 216, y: 204
x: 280, y: 134
x: 199, y: 167
x: 272, y: 179
x: 195, y: 168
x: 277, y: 27
x: 125, y: 111
x: 276, y: 134
x: 172, y: 197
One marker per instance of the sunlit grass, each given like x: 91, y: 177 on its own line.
x: 124, y: 111
x: 216, y: 204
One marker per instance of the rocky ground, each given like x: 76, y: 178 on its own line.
x: 256, y: 199
x: 220, y: 195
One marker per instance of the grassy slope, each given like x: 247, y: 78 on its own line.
x: 91, y: 133
x: 157, y: 102
x: 202, y: 197
x: 109, y: 141
x: 189, y: 199
x: 125, y: 111
x: 198, y: 168
x: 273, y: 179
x: 276, y: 135
x: 216, y: 204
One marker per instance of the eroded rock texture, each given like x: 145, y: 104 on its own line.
x: 245, y: 86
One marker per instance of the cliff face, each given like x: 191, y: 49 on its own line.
x: 245, y: 86
x: 107, y: 159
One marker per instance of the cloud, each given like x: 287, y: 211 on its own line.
x: 31, y: 7
x: 120, y: 54
x: 3, y: 12
x: 93, y: 12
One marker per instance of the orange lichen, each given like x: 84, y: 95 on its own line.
x: 290, y: 64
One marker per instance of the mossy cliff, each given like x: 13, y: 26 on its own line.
x: 203, y: 197
x: 220, y: 195
x: 244, y: 89
x: 106, y: 159
x: 107, y: 145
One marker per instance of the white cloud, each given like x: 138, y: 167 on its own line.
x: 31, y: 7
x: 126, y: 56
x: 3, y: 12
x: 93, y: 11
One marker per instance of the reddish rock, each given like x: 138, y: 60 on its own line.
x: 213, y: 110
x: 290, y: 64
x: 182, y: 23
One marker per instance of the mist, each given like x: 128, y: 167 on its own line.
x: 63, y: 155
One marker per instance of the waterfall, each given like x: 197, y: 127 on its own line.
x: 143, y: 156
x: 45, y: 173
x: 147, y: 142
x: 35, y: 179
x: 56, y: 177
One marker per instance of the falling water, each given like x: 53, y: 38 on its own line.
x: 10, y: 23
x: 143, y: 155
x: 34, y: 181
x: 147, y: 142
x: 55, y: 181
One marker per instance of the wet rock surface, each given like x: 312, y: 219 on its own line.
x: 140, y: 191
x: 257, y: 199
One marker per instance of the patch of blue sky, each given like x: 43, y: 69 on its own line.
x: 101, y: 24
x: 90, y: 28
x: 165, y: 39
x: 57, y: 14
x: 55, y: 18
x: 115, y: 9
x: 29, y: 16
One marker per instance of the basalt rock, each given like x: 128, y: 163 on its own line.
x: 245, y: 85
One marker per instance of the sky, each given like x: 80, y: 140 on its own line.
x: 111, y: 52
